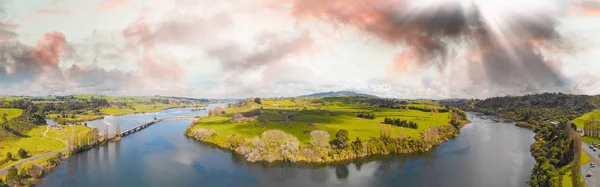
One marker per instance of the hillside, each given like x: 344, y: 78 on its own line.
x: 554, y: 147
x: 337, y: 94
x: 534, y: 108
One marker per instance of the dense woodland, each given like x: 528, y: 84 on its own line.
x: 548, y: 115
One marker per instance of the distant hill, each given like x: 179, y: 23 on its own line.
x: 338, y: 94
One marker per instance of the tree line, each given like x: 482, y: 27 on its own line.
x: 366, y: 115
x: 555, y: 143
x: 401, y: 123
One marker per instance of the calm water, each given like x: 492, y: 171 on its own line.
x: 486, y: 153
x: 129, y: 121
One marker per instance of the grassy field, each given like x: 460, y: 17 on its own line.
x: 567, y: 182
x: 78, y: 117
x: 579, y: 122
x: 10, y: 112
x: 35, y: 143
x: 588, y: 139
x: 135, y: 108
x: 330, y: 118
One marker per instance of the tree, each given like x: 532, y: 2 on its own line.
x: 22, y: 153
x: 117, y: 129
x: 341, y: 139
x: 9, y: 156
x: 105, y: 132
x: 319, y: 138
x: 257, y: 100
x: 13, y: 175
x: 4, y: 117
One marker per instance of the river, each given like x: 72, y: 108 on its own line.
x: 486, y: 153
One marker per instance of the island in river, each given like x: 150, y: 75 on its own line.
x: 328, y: 129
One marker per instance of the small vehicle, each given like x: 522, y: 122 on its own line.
x: 592, y: 165
x: 594, y: 149
x: 589, y: 174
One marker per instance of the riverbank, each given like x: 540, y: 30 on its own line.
x: 122, y: 112
x: 254, y: 151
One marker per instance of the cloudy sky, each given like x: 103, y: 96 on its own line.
x: 267, y: 48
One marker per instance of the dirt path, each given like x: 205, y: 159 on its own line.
x: 48, y: 128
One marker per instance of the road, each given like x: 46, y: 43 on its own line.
x: 593, y: 181
x: 18, y: 164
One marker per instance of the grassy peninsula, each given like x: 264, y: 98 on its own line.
x: 327, y: 129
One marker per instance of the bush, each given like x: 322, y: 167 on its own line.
x: 13, y: 175
x: 341, y: 139
x: 272, y: 145
x: 201, y: 133
x: 36, y: 171
x: 257, y: 101
x: 22, y: 153
x: 319, y: 138
x: 9, y: 156
x: 55, y: 160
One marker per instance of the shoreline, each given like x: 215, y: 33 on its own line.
x: 167, y: 108
x: 384, y: 147
x: 66, y: 154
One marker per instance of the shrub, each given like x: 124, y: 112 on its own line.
x: 24, y: 170
x: 13, y: 175
x: 234, y: 141
x: 341, y: 139
x: 29, y: 169
x: 201, y: 133
x: 9, y: 156
x: 22, y: 153
x: 319, y: 138
x: 257, y: 100
x: 36, y: 171
x: 55, y: 160
x: 272, y: 145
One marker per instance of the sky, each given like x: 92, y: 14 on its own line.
x: 278, y: 48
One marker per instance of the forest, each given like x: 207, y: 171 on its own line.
x: 549, y: 116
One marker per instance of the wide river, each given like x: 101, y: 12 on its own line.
x: 486, y: 153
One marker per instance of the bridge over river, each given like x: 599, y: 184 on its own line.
x: 144, y: 125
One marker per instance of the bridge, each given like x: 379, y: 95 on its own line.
x: 143, y: 126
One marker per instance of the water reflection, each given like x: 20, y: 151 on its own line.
x: 161, y: 156
x: 341, y: 171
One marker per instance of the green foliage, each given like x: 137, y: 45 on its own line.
x: 341, y: 139
x: 13, y: 174
x: 401, y: 123
x: 554, y: 146
x: 22, y: 153
x: 257, y: 100
x: 24, y: 169
x: 536, y: 108
x: 55, y: 160
x: 9, y: 156
x: 366, y: 115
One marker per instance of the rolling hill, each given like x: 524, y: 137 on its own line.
x: 337, y: 94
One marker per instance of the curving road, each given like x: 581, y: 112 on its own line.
x: 18, y: 164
